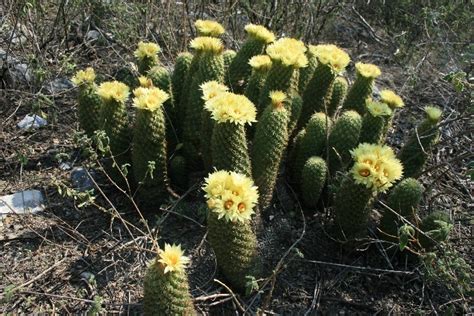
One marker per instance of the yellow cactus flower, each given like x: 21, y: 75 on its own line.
x: 150, y: 98
x: 209, y: 28
x: 230, y: 107
x: 433, y: 113
x: 231, y: 195
x: 277, y: 98
x: 212, y: 88
x: 289, y: 51
x: 368, y: 70
x: 260, y: 62
x: 375, y: 166
x: 391, y: 99
x: 207, y: 44
x: 172, y: 258
x: 145, y: 82
x: 113, y: 91
x: 86, y: 76
x: 147, y: 50
x: 260, y: 32
x: 331, y: 55
x: 378, y: 109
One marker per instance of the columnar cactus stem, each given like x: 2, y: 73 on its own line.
x: 415, y: 151
x: 270, y: 141
x: 339, y: 91
x: 362, y: 87
x: 239, y: 70
x: 306, y: 73
x: 313, y: 178
x: 166, y: 289
x: 180, y: 72
x: 149, y: 144
x: 89, y: 102
x: 146, y: 56
x: 343, y: 137
x: 229, y: 56
x: 395, y: 102
x: 260, y: 64
x: 374, y: 123
x: 179, y: 172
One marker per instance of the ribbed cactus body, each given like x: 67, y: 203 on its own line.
x: 254, y: 87
x: 360, y: 90
x: 229, y: 148
x: 352, y: 206
x: 88, y: 111
x: 339, y: 91
x: 317, y: 93
x: 403, y: 199
x: 115, y: 123
x: 343, y: 137
x: 414, y: 153
x: 313, y: 178
x: 145, y: 64
x: 149, y: 146
x: 235, y: 246
x: 166, y: 293
x: 229, y: 56
x: 314, y: 140
x: 295, y: 148
x: 307, y: 72
x: 207, y: 126
x: 280, y: 77
x: 179, y: 172
x: 239, y: 69
x: 185, y: 91
x: 436, y: 226
x: 211, y: 67
x: 127, y: 76
x: 372, y: 130
x: 181, y: 69
x: 271, y: 139
x: 296, y: 106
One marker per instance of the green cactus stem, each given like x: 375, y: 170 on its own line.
x: 342, y: 139
x: 270, y: 141
x: 362, y: 87
x: 415, y: 152
x: 179, y: 172
x: 296, y: 106
x: 307, y: 73
x: 313, y: 178
x: 403, y: 199
x: 293, y: 154
x: 89, y: 102
x: 260, y: 64
x: 374, y: 123
x: 146, y: 56
x: 229, y: 56
x: 239, y: 70
x: 339, y: 91
x: 178, y: 78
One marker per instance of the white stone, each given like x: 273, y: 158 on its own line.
x: 23, y: 202
x: 32, y: 121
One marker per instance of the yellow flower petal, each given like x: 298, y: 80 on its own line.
x: 172, y: 258
x: 230, y: 107
x: 288, y: 51
x: 113, y: 90
x: 86, y: 76
x: 260, y: 32
x: 209, y: 28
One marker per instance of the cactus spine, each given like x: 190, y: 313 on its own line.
x: 374, y: 123
x: 166, y: 292
x: 149, y: 144
x: 313, y: 142
x: 313, y: 178
x: 343, y: 138
x: 403, y: 199
x: 271, y: 138
x: 229, y: 142
x: 239, y: 70
x: 415, y: 151
x: 339, y: 91
x: 231, y: 198
x: 362, y: 87
x: 89, y: 102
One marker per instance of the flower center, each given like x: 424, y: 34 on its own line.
x: 364, y: 172
x: 228, y: 204
x: 241, y: 207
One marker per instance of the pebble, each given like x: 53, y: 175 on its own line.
x: 32, y: 121
x: 81, y: 180
x: 23, y: 202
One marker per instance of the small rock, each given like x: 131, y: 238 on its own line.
x: 32, y: 121
x: 21, y: 73
x: 65, y: 166
x: 23, y: 202
x: 92, y: 36
x: 81, y: 180
x: 58, y: 85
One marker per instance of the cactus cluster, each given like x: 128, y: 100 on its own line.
x: 274, y: 108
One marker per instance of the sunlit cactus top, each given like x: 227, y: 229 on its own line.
x: 368, y: 70
x: 145, y: 82
x: 207, y: 44
x: 277, y: 98
x: 433, y: 113
x: 260, y: 32
x: 231, y: 195
x: 331, y: 55
x: 209, y: 28
x: 230, y: 107
x: 113, y: 91
x: 391, y: 99
x: 172, y: 258
x: 289, y: 51
x: 86, y: 76
x: 375, y: 166
x: 149, y: 98
x: 260, y: 62
x: 147, y: 50
x: 210, y: 89
x: 378, y: 108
